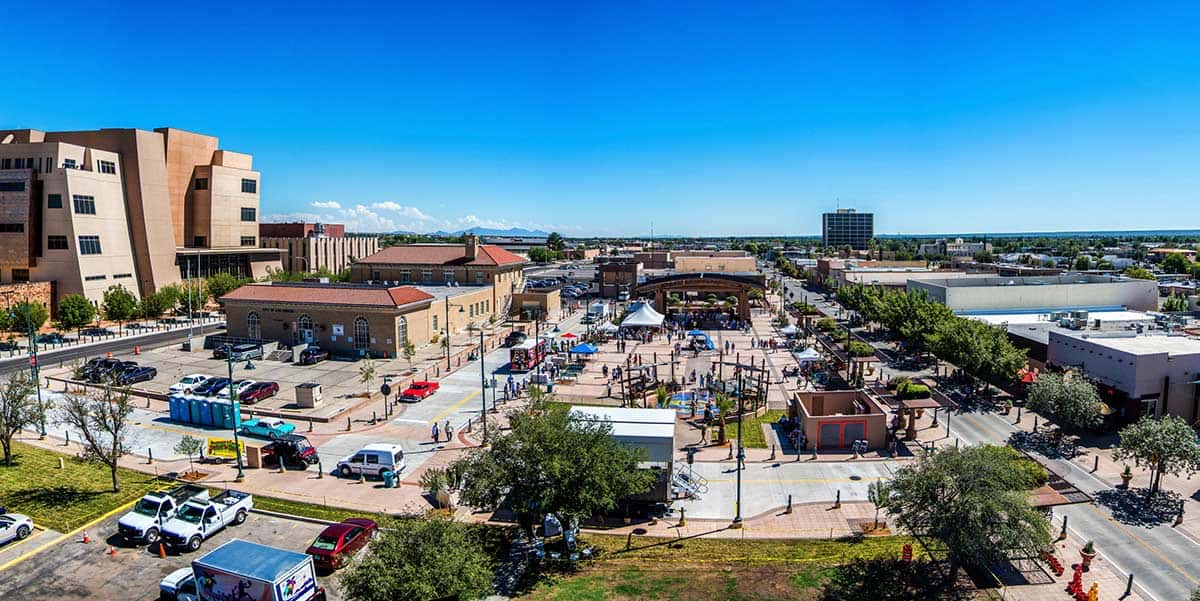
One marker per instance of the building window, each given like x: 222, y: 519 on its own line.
x: 249, y: 241
x: 305, y: 327
x: 68, y: 163
x: 56, y: 242
x: 362, y: 334
x: 249, y: 186
x: 426, y: 275
x: 200, y: 241
x: 84, y: 205
x: 435, y: 328
x: 448, y: 276
x: 17, y: 186
x: 95, y: 278
x: 479, y: 277
x: 20, y: 275
x: 402, y: 332
x: 12, y: 228
x: 20, y: 164
x: 89, y: 245
x: 106, y: 167
x: 5, y: 163
x: 201, y: 183
x: 122, y: 276
x: 249, y: 213
x: 253, y: 326
x: 405, y: 276
x: 49, y: 164
x: 54, y: 201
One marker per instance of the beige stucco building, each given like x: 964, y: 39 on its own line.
x: 128, y: 207
x: 308, y: 247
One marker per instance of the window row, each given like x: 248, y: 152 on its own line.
x: 12, y: 228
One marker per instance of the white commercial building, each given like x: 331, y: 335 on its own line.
x: 1071, y: 291
x: 1139, y: 374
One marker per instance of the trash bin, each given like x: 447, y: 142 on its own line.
x: 389, y: 479
x: 549, y: 387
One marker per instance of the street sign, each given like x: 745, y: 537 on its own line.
x: 385, y: 389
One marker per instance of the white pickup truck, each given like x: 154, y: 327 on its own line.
x: 146, y: 519
x: 198, y: 520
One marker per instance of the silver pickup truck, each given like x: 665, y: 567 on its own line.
x: 197, y: 520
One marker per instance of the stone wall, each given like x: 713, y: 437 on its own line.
x: 38, y: 292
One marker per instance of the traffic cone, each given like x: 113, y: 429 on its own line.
x: 1094, y: 592
x: 137, y: 350
x: 162, y: 550
x: 86, y: 539
x: 111, y: 550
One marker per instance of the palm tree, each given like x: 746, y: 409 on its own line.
x: 724, y: 406
x: 879, y: 495
x: 366, y: 374
x: 661, y: 397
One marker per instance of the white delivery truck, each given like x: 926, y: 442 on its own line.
x: 197, y: 520
x: 144, y: 522
x: 241, y: 569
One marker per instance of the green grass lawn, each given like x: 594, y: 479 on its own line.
x: 68, y: 498
x: 752, y: 434
x: 703, y: 569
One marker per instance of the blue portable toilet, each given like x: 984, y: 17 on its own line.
x: 218, y: 416
x: 179, y: 409
x: 174, y: 408
x: 206, y: 416
x: 193, y: 411
x: 235, y: 417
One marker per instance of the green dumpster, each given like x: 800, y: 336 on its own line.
x: 389, y: 479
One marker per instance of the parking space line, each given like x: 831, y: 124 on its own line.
x: 68, y: 535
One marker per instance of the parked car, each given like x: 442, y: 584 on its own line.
x: 239, y: 352
x: 258, y: 391
x: 419, y: 390
x: 372, y: 460
x: 293, y: 449
x: 9, y: 346
x: 179, y: 585
x: 188, y: 384
x: 210, y: 386
x: 514, y: 339
x: 144, y: 522
x: 197, y: 520
x: 14, y: 526
x: 335, y: 545
x: 313, y: 354
x: 239, y: 387
x: 138, y: 373
x: 136, y: 326
x: 107, y: 368
x: 96, y: 332
x: 52, y: 338
x: 267, y: 427
x: 588, y: 319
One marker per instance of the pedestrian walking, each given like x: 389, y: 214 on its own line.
x: 704, y: 433
x: 608, y: 389
x: 449, y: 433
x: 436, y: 436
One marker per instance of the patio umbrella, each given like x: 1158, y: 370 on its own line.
x: 695, y: 333
x: 583, y: 349
x: 568, y: 336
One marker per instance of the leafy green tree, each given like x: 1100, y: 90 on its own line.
x: 541, y: 254
x: 975, y: 500
x: 154, y: 305
x: 421, y: 560
x: 171, y: 294
x: 18, y: 409
x: 75, y: 311
x: 879, y: 495
x: 1138, y: 273
x: 220, y: 284
x: 555, y: 242
x: 119, y: 304
x: 548, y: 463
x: 1069, y: 399
x: 198, y: 294
x: 409, y: 350
x: 27, y: 314
x: 190, y: 446
x: 1174, y: 303
x: 366, y: 374
x: 985, y: 256
x: 1165, y: 445
x: 1176, y: 263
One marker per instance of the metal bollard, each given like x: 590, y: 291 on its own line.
x: 772, y: 453
x: 682, y: 517
x: 347, y: 423
x: 1179, y: 516
x: 320, y: 470
x: 150, y: 453
x: 789, y: 505
x: 838, y: 503
x: 374, y: 417
x: 1019, y: 414
x: 1035, y: 422
x: 310, y: 424
x: 68, y: 442
x: 1128, y: 587
x: 1062, y: 535
x: 1096, y: 464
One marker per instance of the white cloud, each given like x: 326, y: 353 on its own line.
x: 410, y: 212
x: 331, y: 204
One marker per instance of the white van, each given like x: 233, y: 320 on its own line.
x: 373, y: 460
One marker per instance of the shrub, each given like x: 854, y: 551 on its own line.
x: 909, y: 390
x: 827, y: 324
x: 860, y: 349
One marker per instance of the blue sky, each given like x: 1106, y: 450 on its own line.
x: 600, y: 118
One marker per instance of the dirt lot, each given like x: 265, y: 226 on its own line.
x: 73, y: 570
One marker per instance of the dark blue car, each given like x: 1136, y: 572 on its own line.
x: 211, y: 386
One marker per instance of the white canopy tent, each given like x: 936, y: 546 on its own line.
x: 807, y: 355
x: 608, y: 327
x: 643, y: 316
x: 788, y: 330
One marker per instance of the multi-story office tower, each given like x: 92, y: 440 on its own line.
x: 92, y: 209
x: 847, y: 227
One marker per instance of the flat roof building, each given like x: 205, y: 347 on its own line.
x: 1048, y: 293
x: 847, y: 227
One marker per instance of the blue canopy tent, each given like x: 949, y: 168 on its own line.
x: 583, y: 349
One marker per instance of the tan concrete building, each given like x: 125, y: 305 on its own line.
x: 130, y: 204
x: 469, y: 264
x: 307, y: 247
x: 734, y: 261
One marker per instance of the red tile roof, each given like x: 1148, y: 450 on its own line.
x: 442, y: 254
x: 396, y: 296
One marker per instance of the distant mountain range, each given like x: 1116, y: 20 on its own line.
x: 484, y: 231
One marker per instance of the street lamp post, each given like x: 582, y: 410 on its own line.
x: 236, y: 401
x: 33, y: 370
x: 741, y: 456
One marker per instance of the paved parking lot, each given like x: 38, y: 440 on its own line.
x: 73, y: 570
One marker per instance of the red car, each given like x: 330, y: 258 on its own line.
x: 258, y: 391
x: 337, y: 543
x: 419, y: 390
